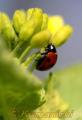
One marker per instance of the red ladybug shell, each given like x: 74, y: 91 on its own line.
x: 47, y: 61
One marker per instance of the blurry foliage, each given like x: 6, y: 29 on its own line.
x: 70, y: 85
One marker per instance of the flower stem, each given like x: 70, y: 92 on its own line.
x: 29, y: 60
x: 26, y: 51
x: 17, y: 47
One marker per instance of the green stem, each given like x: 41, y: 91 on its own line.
x: 17, y: 47
x: 48, y: 85
x: 26, y: 51
x: 33, y: 67
x: 29, y: 60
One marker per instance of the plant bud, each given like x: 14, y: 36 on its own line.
x: 37, y: 17
x: 40, y: 39
x: 45, y: 21
x: 62, y: 35
x: 55, y: 23
x: 6, y: 28
x: 4, y: 19
x: 29, y: 13
x: 8, y: 32
x: 26, y: 31
x: 19, y: 18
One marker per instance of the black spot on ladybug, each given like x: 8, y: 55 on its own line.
x: 48, y: 58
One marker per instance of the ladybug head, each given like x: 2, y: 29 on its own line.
x: 51, y: 48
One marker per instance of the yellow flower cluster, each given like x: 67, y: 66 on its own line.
x: 35, y: 27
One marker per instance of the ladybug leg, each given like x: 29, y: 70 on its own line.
x: 43, y: 53
x: 36, y: 59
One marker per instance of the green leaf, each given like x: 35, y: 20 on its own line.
x: 70, y: 85
x: 19, y: 85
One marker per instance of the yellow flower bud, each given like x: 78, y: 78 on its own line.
x: 40, y: 39
x: 62, y: 35
x: 8, y: 32
x: 55, y: 23
x: 6, y: 28
x: 29, y: 13
x: 4, y: 19
x: 44, y: 22
x: 19, y: 18
x: 26, y: 31
x: 37, y: 17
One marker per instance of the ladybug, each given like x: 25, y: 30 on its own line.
x: 48, y: 58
